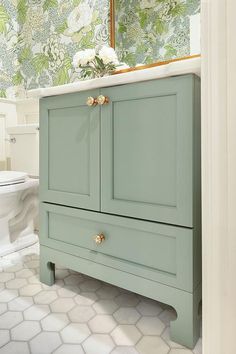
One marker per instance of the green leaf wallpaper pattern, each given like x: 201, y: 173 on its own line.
x: 38, y: 38
x: 8, y: 47
x: 153, y: 30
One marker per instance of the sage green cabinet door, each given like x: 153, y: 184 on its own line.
x: 70, y: 151
x: 147, y: 150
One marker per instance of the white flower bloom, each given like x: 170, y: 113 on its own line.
x: 108, y: 55
x: 84, y: 57
x: 147, y: 4
x: 79, y: 18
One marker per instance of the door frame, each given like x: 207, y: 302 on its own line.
x: 219, y: 175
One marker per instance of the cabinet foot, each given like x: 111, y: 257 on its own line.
x: 47, y: 272
x: 185, y: 329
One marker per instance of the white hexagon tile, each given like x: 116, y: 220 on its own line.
x: 77, y: 315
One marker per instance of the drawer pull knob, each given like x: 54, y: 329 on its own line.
x: 91, y: 101
x: 101, y: 100
x: 99, y: 239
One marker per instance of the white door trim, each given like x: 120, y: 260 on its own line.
x: 219, y: 175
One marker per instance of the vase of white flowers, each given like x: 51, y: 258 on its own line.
x: 96, y: 63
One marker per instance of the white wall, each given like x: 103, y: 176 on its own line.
x: 8, y: 117
x: 27, y: 111
x: 219, y: 175
x: 13, y: 112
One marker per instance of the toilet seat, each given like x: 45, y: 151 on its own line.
x: 15, y: 185
x: 12, y: 177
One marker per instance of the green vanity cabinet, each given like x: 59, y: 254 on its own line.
x: 120, y: 191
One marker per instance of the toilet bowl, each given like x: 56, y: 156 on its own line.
x: 18, y: 210
x: 19, y: 191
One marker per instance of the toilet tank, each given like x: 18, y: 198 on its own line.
x: 24, y: 148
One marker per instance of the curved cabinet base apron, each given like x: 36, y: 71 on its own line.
x: 185, y: 329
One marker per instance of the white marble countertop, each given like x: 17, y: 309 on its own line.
x: 189, y: 66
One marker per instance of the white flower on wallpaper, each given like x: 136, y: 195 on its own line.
x: 54, y: 51
x: 79, y: 18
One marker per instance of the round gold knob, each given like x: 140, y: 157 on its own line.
x: 91, y: 101
x: 101, y: 100
x: 99, y: 239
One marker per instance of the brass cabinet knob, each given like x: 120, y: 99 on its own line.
x: 99, y: 239
x: 91, y: 101
x: 101, y: 100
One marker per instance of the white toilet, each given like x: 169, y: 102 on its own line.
x: 19, y: 190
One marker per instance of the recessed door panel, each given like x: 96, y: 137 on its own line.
x: 71, y: 173
x: 140, y: 142
x: 147, y: 150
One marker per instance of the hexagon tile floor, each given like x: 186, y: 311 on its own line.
x: 77, y: 315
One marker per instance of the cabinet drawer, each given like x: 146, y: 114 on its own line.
x: 158, y: 252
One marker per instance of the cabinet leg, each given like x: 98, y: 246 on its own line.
x: 47, y: 272
x: 185, y: 329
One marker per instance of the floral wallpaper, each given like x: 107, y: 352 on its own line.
x: 51, y: 32
x: 38, y: 38
x: 152, y: 30
x: 8, y: 46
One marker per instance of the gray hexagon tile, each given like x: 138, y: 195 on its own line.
x: 25, y: 273
x: 152, y: 345
x: 125, y: 350
x: 45, y: 342
x: 127, y: 300
x: 75, y: 333
x: 68, y: 291
x: 20, y: 303
x: 30, y: 290
x: 4, y: 277
x: 45, y: 297
x: 180, y: 351
x: 74, y: 279
x: 7, y: 295
x: 61, y: 273
x: 107, y: 292
x: 105, y: 307
x: 127, y: 315
x: 98, y: 343
x: 69, y: 349
x: 86, y: 298
x: 25, y: 330
x: 81, y: 314
x: 36, y: 312
x: 77, y: 315
x: 126, y: 335
x: 149, y: 307
x: 102, y: 324
x: 54, y: 322
x: 90, y: 285
x: 10, y: 319
x: 16, y: 283
x: 3, y: 308
x: 4, y: 337
x: 150, y: 326
x: 62, y: 305
x: 15, y: 348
